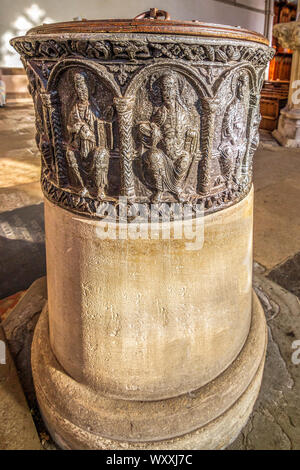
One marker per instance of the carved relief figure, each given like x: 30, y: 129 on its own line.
x: 253, y: 144
x: 87, y: 153
x: 234, y: 137
x: 170, y: 139
x: 41, y: 136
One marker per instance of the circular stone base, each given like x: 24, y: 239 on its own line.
x: 207, y: 418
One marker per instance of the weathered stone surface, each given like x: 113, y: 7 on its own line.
x: 182, y: 313
x: 275, y: 421
x: 17, y: 431
x: 161, y: 118
x: 207, y: 418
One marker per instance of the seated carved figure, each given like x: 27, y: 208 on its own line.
x: 87, y: 155
x: 234, y: 139
x: 170, y: 140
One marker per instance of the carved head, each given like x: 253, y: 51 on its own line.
x: 81, y: 86
x: 169, y: 87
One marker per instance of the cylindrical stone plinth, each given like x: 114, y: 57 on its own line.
x: 152, y: 337
x: 162, y: 364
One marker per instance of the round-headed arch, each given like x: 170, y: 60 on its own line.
x: 191, y: 74
x: 98, y: 70
x: 233, y: 71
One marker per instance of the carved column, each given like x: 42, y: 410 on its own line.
x: 46, y: 103
x: 51, y: 114
x: 288, y: 131
x: 210, y: 106
x: 124, y: 108
x: 253, y: 138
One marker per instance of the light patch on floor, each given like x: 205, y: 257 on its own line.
x: 276, y: 205
x: 19, y: 156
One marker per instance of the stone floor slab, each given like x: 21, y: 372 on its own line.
x: 275, y: 421
x: 276, y: 223
x: 19, y: 196
x: 287, y: 275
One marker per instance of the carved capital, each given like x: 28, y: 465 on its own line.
x: 288, y: 34
x: 46, y: 99
x: 211, y: 104
x: 124, y: 105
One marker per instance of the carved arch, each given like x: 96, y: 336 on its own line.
x: 53, y: 106
x: 97, y: 69
x: 187, y: 71
x: 176, y: 178
x: 225, y: 76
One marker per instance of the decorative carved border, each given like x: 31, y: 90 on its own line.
x: 100, y: 209
x: 143, y: 49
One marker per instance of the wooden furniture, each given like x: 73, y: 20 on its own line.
x: 275, y: 90
x: 273, y: 97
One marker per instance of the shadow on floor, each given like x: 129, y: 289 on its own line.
x: 287, y: 275
x: 22, y: 248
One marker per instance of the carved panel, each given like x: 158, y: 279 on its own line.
x: 152, y: 119
x: 166, y: 134
x: 87, y: 119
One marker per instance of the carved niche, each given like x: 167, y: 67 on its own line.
x: 231, y: 132
x: 166, y: 135
x: 87, y: 119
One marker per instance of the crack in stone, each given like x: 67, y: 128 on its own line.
x: 270, y: 307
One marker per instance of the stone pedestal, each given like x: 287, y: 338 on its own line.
x: 152, y: 338
x: 288, y: 131
x: 201, y: 343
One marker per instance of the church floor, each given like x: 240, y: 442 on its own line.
x: 275, y: 422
